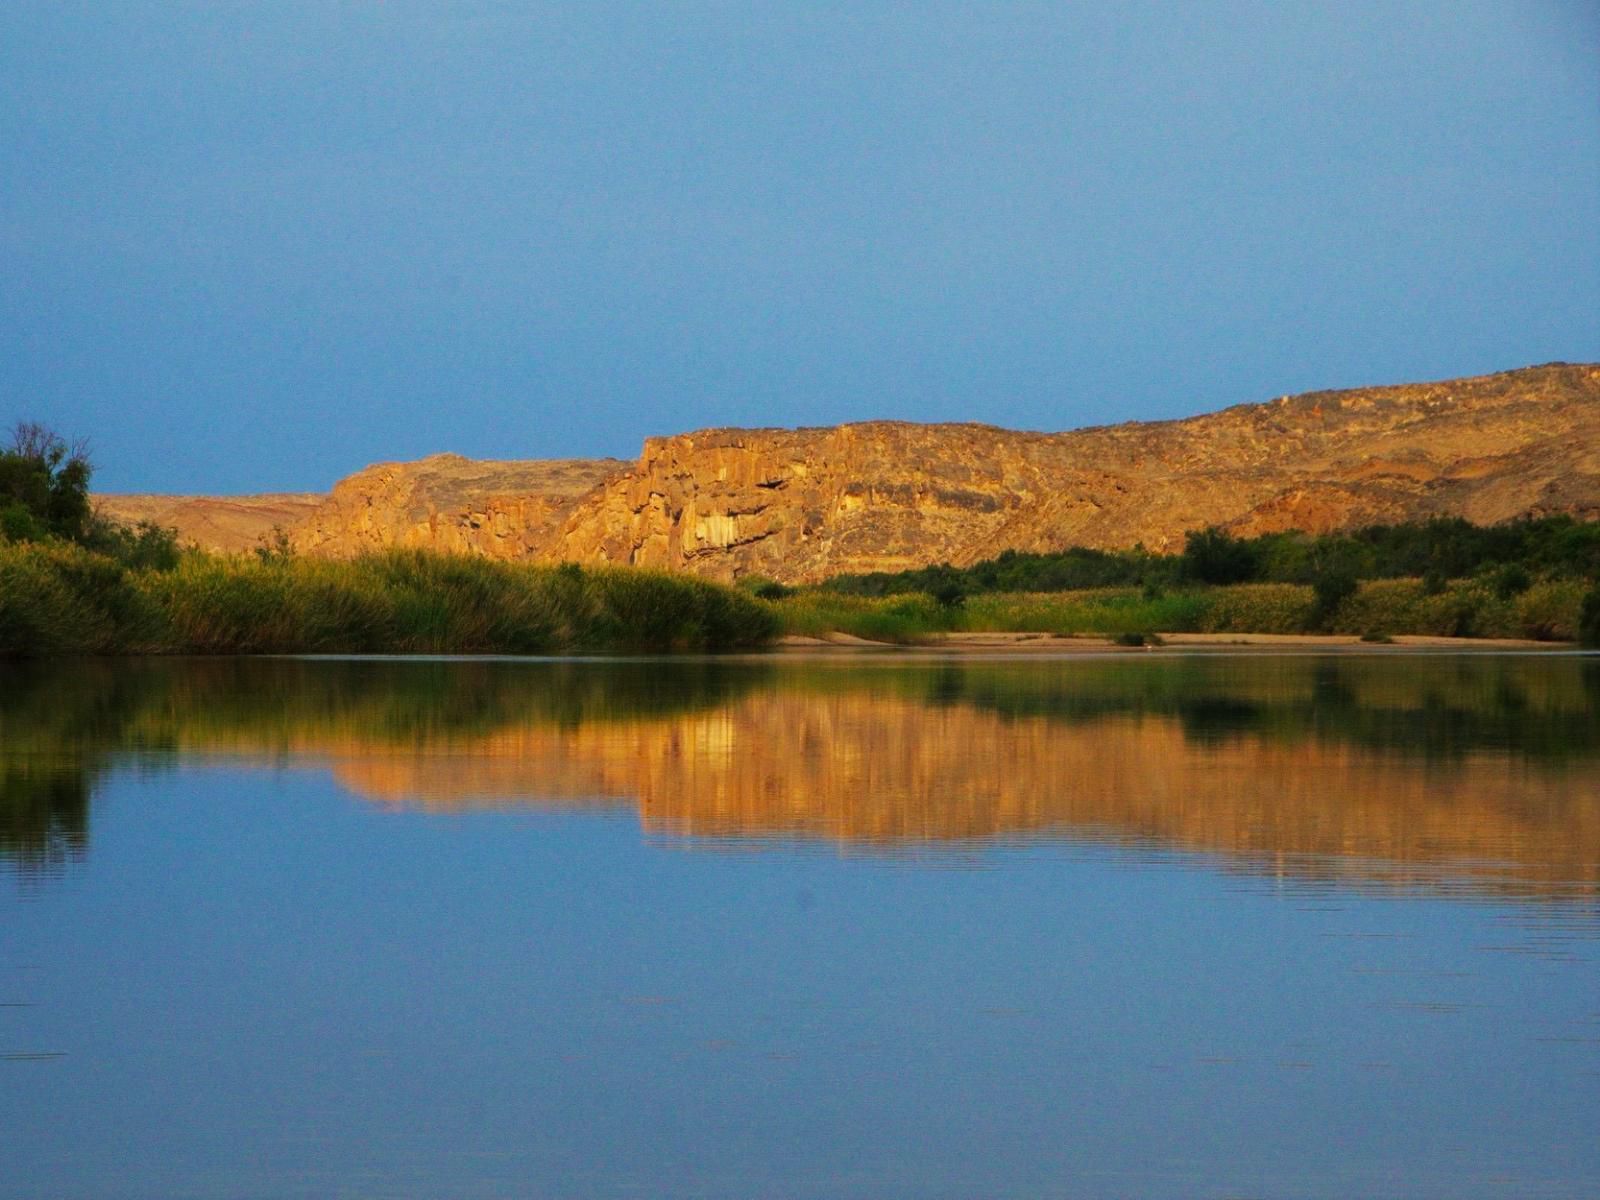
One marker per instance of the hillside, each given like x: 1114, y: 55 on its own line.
x: 802, y: 504
x: 230, y: 524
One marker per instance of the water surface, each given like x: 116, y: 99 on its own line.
x: 1150, y: 925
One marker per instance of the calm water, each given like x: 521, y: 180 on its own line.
x: 1145, y: 926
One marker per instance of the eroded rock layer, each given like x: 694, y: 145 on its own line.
x: 450, y: 503
x: 799, y: 505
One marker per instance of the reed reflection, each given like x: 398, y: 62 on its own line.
x: 1469, y: 773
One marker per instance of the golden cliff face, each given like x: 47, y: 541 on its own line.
x: 450, y: 503
x: 799, y: 505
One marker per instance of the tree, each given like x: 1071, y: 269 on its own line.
x: 1212, y: 556
x: 1589, y: 619
x: 44, y: 485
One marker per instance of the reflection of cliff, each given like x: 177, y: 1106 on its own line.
x: 1479, y: 768
x: 869, y: 768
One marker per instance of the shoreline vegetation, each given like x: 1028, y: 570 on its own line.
x: 58, y: 599
x: 1376, y: 612
x: 1531, y: 580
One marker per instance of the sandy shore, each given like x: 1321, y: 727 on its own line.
x: 1047, y: 643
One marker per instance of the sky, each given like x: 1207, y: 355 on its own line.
x: 257, y: 246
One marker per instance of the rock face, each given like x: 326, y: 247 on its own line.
x: 799, y: 505
x: 446, y: 502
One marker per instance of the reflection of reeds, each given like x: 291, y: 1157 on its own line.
x: 44, y: 812
x: 64, y: 600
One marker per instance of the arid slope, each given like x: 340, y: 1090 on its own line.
x: 229, y: 524
x: 802, y: 504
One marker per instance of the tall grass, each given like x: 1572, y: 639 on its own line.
x: 1548, y: 611
x: 64, y: 600
x: 905, y: 618
x: 1107, y: 611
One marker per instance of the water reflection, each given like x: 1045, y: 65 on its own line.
x: 1460, y: 773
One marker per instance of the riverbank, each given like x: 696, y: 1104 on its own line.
x: 1058, y: 645
x: 59, y: 600
x: 1375, y: 611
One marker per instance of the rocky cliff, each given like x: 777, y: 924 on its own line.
x: 446, y: 502
x: 802, y: 504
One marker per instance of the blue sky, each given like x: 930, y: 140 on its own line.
x: 256, y: 246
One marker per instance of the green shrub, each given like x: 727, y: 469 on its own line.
x: 1212, y: 556
x: 1138, y: 639
x: 1589, y: 619
x: 1330, y: 590
x: 48, y: 480
x: 1511, y: 580
x: 1549, y: 611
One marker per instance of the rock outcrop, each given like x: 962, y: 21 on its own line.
x: 446, y: 502
x: 799, y: 505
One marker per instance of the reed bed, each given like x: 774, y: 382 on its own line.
x: 57, y: 599
x: 1546, y: 611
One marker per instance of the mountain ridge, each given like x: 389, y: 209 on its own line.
x: 799, y: 504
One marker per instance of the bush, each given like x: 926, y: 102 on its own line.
x: 1589, y: 619
x: 1511, y: 580
x: 1212, y: 556
x: 48, y: 481
x: 1549, y: 611
x: 146, y: 545
x: 1329, y: 591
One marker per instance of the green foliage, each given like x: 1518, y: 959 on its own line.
x: 1259, y: 608
x: 1138, y: 639
x: 61, y: 599
x: 44, y: 486
x: 1511, y: 580
x: 1550, y: 611
x: 1212, y: 556
x: 902, y: 619
x: 145, y: 546
x: 763, y: 588
x: 57, y: 599
x: 1517, y: 554
x: 44, y: 496
x: 1589, y: 619
x: 18, y: 524
x: 1330, y: 589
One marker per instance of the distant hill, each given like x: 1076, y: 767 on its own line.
x: 802, y: 504
x: 225, y: 523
